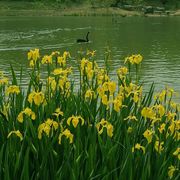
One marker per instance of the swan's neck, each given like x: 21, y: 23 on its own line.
x: 87, y: 39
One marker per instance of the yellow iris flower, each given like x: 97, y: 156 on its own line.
x: 105, y: 124
x: 13, y: 89
x: 159, y: 146
x: 17, y: 133
x: 147, y: 112
x: 162, y: 128
x: 91, y: 53
x: 33, y: 55
x: 148, y: 134
x: 58, y: 112
x: 177, y: 153
x: 138, y: 147
x: 90, y: 94
x: 75, y: 120
x: 118, y: 103
x: 134, y: 59
x: 27, y: 112
x: 171, y: 171
x: 121, y: 72
x: 47, y: 59
x: 67, y: 133
x: 46, y: 127
x: 4, y: 81
x: 36, y: 97
x: 61, y: 61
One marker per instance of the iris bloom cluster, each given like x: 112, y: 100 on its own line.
x: 134, y: 59
x: 111, y: 114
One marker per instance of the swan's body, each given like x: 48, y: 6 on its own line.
x: 83, y: 40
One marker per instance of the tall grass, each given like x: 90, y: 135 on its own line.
x: 103, y: 130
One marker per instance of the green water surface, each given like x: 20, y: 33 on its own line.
x: 157, y: 39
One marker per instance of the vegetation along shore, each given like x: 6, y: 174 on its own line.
x: 80, y: 121
x: 102, y: 129
x: 90, y: 8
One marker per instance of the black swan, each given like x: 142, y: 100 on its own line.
x: 83, y: 40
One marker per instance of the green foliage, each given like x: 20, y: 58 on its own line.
x: 92, y: 131
x: 94, y: 3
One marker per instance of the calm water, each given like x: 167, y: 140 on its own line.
x: 157, y: 39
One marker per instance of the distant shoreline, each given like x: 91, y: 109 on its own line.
x: 82, y: 12
x: 40, y: 9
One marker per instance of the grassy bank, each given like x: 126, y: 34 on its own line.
x: 19, y: 8
x: 55, y: 9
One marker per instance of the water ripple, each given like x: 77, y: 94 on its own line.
x: 156, y: 38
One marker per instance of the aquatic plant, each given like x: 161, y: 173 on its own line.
x: 104, y: 129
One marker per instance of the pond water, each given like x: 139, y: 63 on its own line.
x: 157, y: 39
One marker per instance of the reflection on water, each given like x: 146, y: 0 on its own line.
x: 157, y: 39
